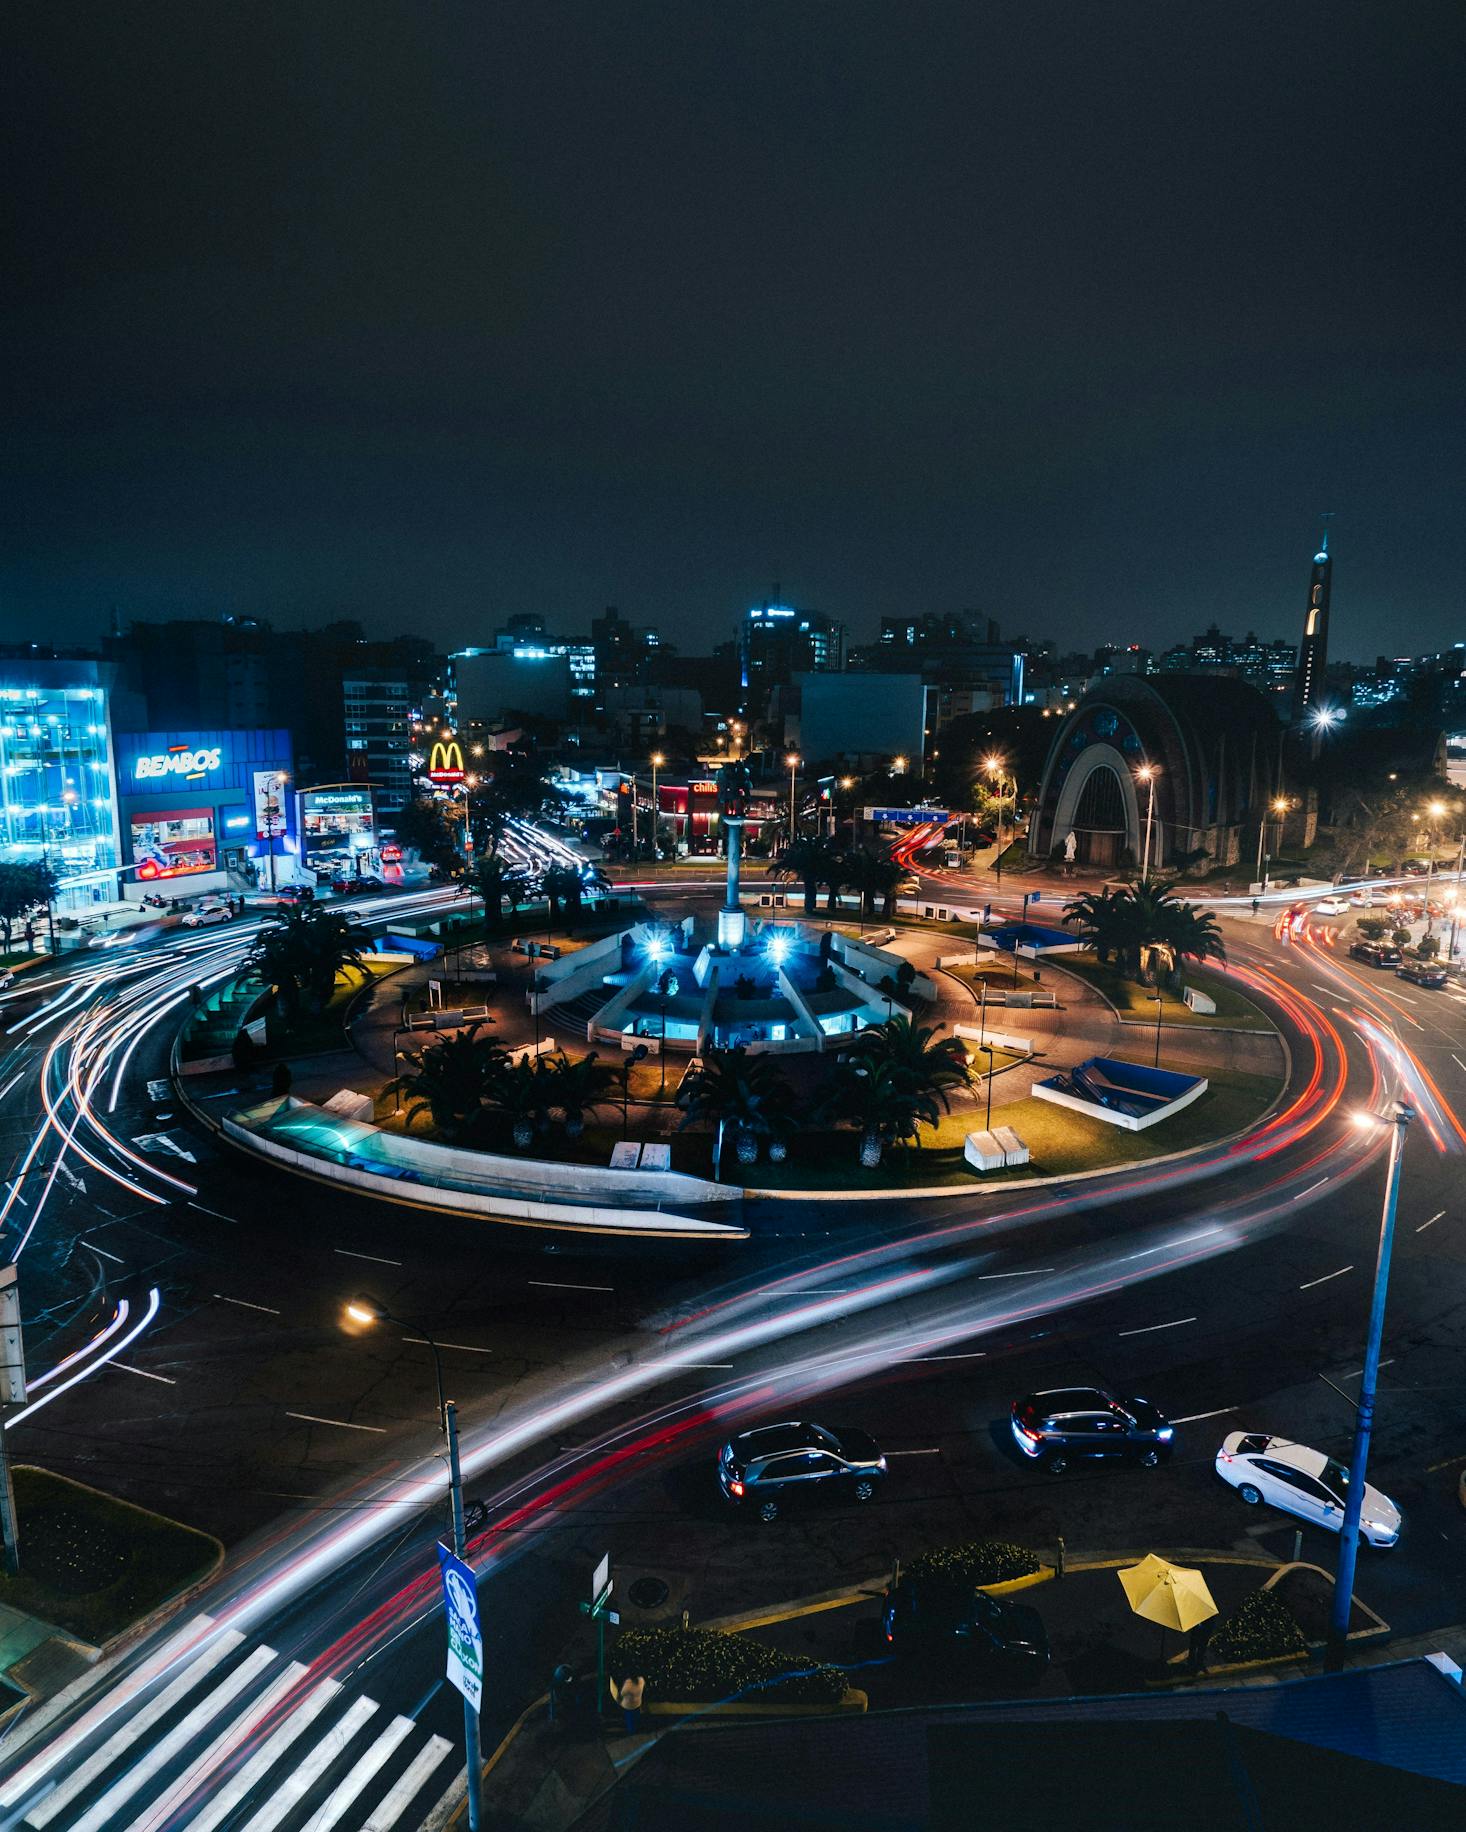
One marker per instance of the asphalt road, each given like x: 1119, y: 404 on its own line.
x: 246, y: 1409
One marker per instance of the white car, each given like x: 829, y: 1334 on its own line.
x: 1331, y: 906
x: 1303, y: 1482
x: 1362, y: 900
x: 211, y: 910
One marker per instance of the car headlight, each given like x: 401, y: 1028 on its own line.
x: 1166, y: 1432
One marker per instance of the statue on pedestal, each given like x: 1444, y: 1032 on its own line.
x: 735, y: 794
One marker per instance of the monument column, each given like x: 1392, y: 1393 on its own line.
x: 734, y: 792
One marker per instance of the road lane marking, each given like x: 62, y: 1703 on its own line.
x: 127, y: 1368
x: 80, y: 1779
x: 244, y: 1304
x: 1150, y: 1327
x: 1032, y: 1273
x: 934, y: 1452
x: 294, y: 1786
x: 338, y: 1804
x: 1193, y: 1418
x: 1311, y: 1188
x: 1356, y: 1371
x: 137, y: 1774
x: 1429, y: 1224
x: 390, y: 1810
x: 1457, y: 1060
x: 565, y: 1285
x: 118, y: 1261
x: 376, y: 1258
x: 312, y: 1418
x: 218, y: 1214
x: 1325, y: 1279
x: 1445, y: 1463
x: 467, y: 1347
x: 264, y: 1758
x: 970, y: 1355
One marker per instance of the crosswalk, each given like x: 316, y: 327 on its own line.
x: 233, y: 1737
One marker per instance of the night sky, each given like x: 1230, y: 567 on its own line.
x: 1075, y: 312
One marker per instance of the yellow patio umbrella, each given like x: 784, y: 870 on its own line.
x: 1175, y: 1596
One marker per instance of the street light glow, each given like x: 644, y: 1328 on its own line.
x: 361, y: 1310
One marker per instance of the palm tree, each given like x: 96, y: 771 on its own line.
x: 873, y: 875
x: 301, y: 956
x: 497, y: 883
x: 919, y: 1061
x: 450, y: 1080
x: 808, y: 860
x: 562, y: 884
x: 522, y: 1090
x: 749, y: 1093
x: 869, y: 1095
x: 577, y: 1088
x: 1105, y: 919
x: 1175, y: 929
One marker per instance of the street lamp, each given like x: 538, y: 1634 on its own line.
x: 367, y: 1312
x: 1364, y: 1412
x: 1278, y: 806
x: 997, y: 767
x: 793, y: 761
x: 1435, y: 810
x: 1147, y: 774
x: 1160, y: 1006
x: 657, y: 761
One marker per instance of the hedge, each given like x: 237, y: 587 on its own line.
x: 706, y: 1666
x: 978, y: 1562
x: 1262, y: 1627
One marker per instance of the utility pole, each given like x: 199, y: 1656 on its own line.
x: 12, y: 1393
x: 460, y: 1546
x: 1364, y: 1414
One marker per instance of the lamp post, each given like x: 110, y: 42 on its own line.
x: 988, y: 1122
x: 1147, y: 774
x: 1435, y: 810
x: 793, y: 761
x: 1456, y: 901
x: 1160, y: 1006
x: 997, y: 768
x: 1364, y: 1413
x: 1278, y: 806
x: 364, y: 1310
x: 657, y: 761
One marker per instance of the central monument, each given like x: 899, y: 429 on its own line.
x: 735, y: 791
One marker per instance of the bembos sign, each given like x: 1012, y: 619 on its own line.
x: 445, y: 761
x: 177, y: 760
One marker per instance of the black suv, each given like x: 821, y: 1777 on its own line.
x: 778, y: 1466
x: 1423, y: 973
x: 1376, y: 953
x: 942, y: 1621
x: 1068, y: 1423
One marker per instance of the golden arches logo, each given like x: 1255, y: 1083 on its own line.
x: 445, y: 761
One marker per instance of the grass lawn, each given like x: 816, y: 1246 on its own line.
x: 998, y: 977
x: 1137, y: 1003
x: 93, y: 1564
x: 19, y: 958
x: 1060, y: 1142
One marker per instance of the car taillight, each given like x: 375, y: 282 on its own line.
x: 735, y: 1488
x: 1025, y: 1432
x: 1225, y: 1457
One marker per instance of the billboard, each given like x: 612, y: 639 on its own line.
x: 341, y: 809
x: 268, y: 788
x: 173, y: 844
x: 907, y: 817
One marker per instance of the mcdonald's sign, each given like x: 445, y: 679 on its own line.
x: 445, y: 761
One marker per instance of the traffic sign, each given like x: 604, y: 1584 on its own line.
x: 465, y: 1631
x: 907, y: 817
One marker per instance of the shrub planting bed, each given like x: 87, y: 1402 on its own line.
x: 705, y: 1666
x: 1262, y: 1627
x: 975, y: 1563
x: 93, y: 1565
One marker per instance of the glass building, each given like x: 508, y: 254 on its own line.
x: 58, y: 789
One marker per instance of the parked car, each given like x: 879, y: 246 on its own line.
x: 1375, y: 953
x: 1303, y: 1482
x: 775, y: 1467
x: 1330, y: 906
x: 1414, y: 868
x: 363, y: 886
x: 945, y: 1622
x: 1362, y: 900
x: 1423, y: 973
x: 1065, y: 1424
x: 206, y: 913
